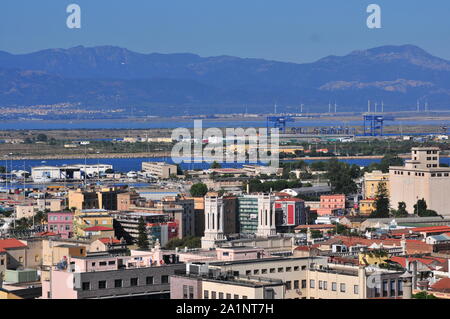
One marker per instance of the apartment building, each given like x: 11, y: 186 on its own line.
x: 105, y: 198
x: 87, y: 218
x: 190, y: 284
x: 160, y: 170
x: 108, y: 276
x: 421, y: 177
x: 371, y: 182
x: 292, y: 213
x: 292, y: 271
x: 159, y: 226
x: 61, y: 222
x: 331, y: 205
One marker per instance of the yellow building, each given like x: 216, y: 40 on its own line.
x: 371, y: 182
x: 366, y: 207
x: 105, y: 198
x: 374, y: 257
x: 89, y: 218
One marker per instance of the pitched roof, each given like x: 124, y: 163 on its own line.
x: 98, y: 228
x: 442, y: 285
x: 291, y: 199
x: 432, y: 229
x: 10, y: 243
x: 109, y: 240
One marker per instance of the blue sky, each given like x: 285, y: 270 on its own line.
x: 285, y: 30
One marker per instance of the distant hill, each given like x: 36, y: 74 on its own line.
x: 102, y: 76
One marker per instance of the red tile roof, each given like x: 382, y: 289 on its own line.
x: 98, y: 228
x: 109, y: 240
x: 10, y: 243
x: 442, y: 285
x: 46, y: 233
x: 432, y: 229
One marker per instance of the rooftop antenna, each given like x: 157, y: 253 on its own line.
x: 418, y: 106
x: 335, y: 107
x: 275, y: 108
x: 301, y: 108
x: 376, y: 104
x: 368, y: 106
x: 382, y: 106
x: 329, y: 107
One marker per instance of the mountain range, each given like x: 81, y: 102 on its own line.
x: 113, y: 76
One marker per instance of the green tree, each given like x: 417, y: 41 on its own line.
x: 381, y: 202
x: 142, y: 241
x: 423, y: 295
x: 41, y: 138
x: 198, y: 190
x: 215, y: 165
x: 422, y: 210
x: 401, y: 211
x: 340, y: 176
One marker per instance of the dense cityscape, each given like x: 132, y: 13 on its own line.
x: 205, y: 159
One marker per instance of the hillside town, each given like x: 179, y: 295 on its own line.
x: 321, y: 230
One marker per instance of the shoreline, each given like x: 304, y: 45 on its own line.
x: 165, y: 154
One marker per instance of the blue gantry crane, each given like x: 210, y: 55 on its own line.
x: 374, y: 124
x: 278, y: 122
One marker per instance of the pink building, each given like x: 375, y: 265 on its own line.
x: 61, y: 223
x: 331, y: 205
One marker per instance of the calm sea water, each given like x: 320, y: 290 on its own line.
x: 134, y: 164
x: 132, y: 124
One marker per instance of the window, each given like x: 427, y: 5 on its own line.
x: 165, y: 279
x: 342, y: 287
x: 149, y: 280
x: 303, y: 283
x: 263, y: 271
x: 185, y: 292
x: 288, y: 285
x: 244, y: 297
x: 133, y: 282
x: 86, y: 286
x: 333, y: 286
x: 399, y: 288
x: 118, y: 283
x: 272, y: 270
x: 205, y: 294
x: 213, y: 295
x: 102, y: 284
x: 228, y: 296
x: 256, y: 272
x: 288, y: 269
x: 111, y: 262
x: 303, y: 267
x: 325, y: 285
x: 385, y: 288
x: 102, y: 263
x: 236, y: 296
x: 320, y: 284
x: 392, y: 288
x: 356, y: 289
x: 248, y: 272
x: 296, y: 268
x: 280, y: 269
x: 296, y: 284
x: 220, y: 295
x: 191, y: 292
x: 311, y: 283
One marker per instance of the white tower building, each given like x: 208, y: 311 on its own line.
x: 214, y: 220
x: 266, y: 215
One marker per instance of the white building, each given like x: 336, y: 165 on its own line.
x: 421, y: 177
x: 266, y: 215
x: 214, y: 220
